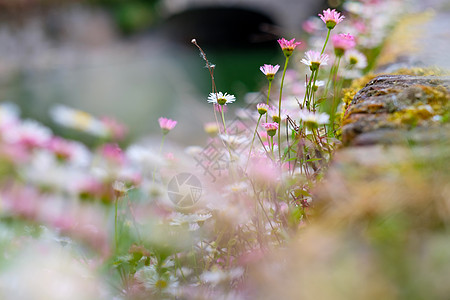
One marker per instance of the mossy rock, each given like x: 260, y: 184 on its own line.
x: 396, y: 102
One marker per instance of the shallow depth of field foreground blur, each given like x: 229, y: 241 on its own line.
x: 198, y: 149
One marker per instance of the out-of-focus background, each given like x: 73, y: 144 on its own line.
x: 133, y: 60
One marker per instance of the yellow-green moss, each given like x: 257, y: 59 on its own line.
x: 435, y: 102
x: 349, y: 93
x: 421, y: 71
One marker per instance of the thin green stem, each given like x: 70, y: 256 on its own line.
x: 253, y: 140
x: 271, y: 146
x: 268, y: 95
x: 160, y: 151
x: 279, y: 105
x: 223, y: 120
x: 225, y: 131
x: 116, y: 233
x: 306, y: 97
x: 333, y: 105
x: 330, y: 77
x: 326, y: 41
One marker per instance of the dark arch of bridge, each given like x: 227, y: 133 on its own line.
x: 221, y: 27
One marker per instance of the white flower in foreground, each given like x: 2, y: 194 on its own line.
x: 314, y: 59
x: 233, y: 141
x: 313, y: 120
x: 157, y: 283
x: 46, y: 271
x: 29, y: 133
x: 143, y: 157
x: 218, y: 275
x: 190, y: 220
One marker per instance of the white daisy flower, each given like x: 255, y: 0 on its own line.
x: 355, y: 59
x: 221, y: 99
x: 312, y: 120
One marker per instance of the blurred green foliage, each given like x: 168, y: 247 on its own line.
x: 131, y: 15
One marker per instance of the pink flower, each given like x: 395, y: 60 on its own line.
x: 314, y: 59
x: 166, y: 124
x: 310, y: 26
x: 29, y: 134
x: 269, y: 71
x: 271, y: 128
x: 113, y: 153
x: 343, y: 42
x: 116, y: 130
x: 62, y: 148
x: 331, y: 18
x: 288, y: 46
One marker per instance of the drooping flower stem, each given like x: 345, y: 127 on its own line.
x: 279, y: 105
x: 253, y: 140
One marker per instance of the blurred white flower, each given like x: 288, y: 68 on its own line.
x: 28, y: 133
x: 45, y: 272
x: 79, y: 120
x: 217, y: 275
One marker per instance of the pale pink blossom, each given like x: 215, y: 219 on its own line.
x: 331, y: 18
x: 288, y: 46
x: 271, y: 128
x: 116, y: 130
x: 166, y: 124
x: 113, y: 153
x: 311, y: 25
x: 62, y: 148
x: 29, y: 134
x: 343, y: 42
x: 261, y: 169
x: 269, y: 70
